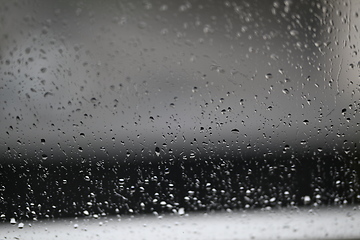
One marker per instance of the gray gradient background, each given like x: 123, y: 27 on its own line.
x: 133, y: 76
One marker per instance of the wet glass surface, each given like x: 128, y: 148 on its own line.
x: 125, y: 108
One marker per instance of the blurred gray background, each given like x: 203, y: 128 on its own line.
x: 80, y: 79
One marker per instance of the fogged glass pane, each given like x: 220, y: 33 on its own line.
x: 131, y: 107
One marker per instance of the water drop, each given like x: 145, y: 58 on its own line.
x: 343, y: 111
x: 268, y: 76
x: 157, y: 151
x: 235, y: 130
x: 294, y: 33
x: 286, y: 147
x: 285, y: 91
x: 307, y: 200
x: 181, y: 211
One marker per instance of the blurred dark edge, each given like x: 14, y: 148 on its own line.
x: 66, y: 189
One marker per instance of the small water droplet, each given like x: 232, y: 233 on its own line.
x: 343, y: 111
x: 181, y: 211
x: 235, y: 130
x: 268, y: 76
x: 286, y: 147
x: 285, y: 91
x: 12, y: 221
x: 47, y: 94
x: 307, y: 200
x: 294, y: 32
x: 157, y: 151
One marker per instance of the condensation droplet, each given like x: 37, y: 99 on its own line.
x: 235, y: 130
x: 268, y: 76
x: 307, y: 200
x: 294, y: 32
x: 157, y: 151
x: 12, y: 221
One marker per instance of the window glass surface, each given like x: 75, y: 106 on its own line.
x: 113, y: 109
